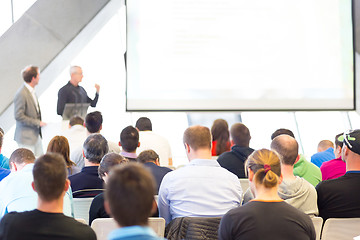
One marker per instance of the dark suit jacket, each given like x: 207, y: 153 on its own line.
x: 27, y: 117
x: 86, y: 184
x: 158, y: 173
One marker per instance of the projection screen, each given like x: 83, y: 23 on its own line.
x: 185, y: 55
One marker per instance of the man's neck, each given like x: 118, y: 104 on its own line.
x: 74, y: 83
x: 90, y: 164
x: 54, y: 206
x: 287, y: 172
x: 200, y: 154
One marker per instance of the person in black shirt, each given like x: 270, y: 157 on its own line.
x: 267, y: 216
x: 340, y: 197
x: 47, y: 221
x: 73, y: 93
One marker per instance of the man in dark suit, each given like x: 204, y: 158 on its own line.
x: 151, y: 160
x: 28, y: 114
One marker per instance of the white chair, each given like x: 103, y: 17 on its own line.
x: 81, y: 220
x: 317, y: 221
x: 341, y: 228
x: 244, y: 182
x: 82, y: 207
x: 103, y: 226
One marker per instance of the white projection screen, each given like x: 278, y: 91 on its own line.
x: 239, y: 55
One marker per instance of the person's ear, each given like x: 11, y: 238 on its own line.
x: 154, y: 207
x: 138, y: 144
x: 280, y: 179
x: 119, y: 144
x: 187, y: 147
x: 157, y: 162
x: 250, y: 174
x: 83, y: 153
x: 13, y: 167
x: 100, y: 127
x: 107, y: 207
x: 33, y: 186
x: 67, y: 185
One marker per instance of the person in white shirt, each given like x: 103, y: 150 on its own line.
x: 202, y: 188
x: 152, y: 141
x: 76, y: 133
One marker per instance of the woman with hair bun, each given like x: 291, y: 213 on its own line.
x: 267, y: 216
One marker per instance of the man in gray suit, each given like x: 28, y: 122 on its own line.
x: 28, y: 114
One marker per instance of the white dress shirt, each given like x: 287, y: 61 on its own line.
x: 200, y: 189
x: 32, y: 91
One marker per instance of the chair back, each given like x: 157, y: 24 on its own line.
x: 317, y: 221
x: 341, y: 228
x: 244, y: 182
x: 82, y: 221
x: 82, y: 207
x: 103, y: 226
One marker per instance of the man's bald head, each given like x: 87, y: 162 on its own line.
x: 287, y: 147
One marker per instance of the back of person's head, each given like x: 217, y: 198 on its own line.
x: 266, y: 167
x: 282, y: 131
x: 287, y: 147
x: 108, y: 162
x: 1, y: 137
x: 74, y: 69
x: 93, y: 122
x: 148, y: 156
x: 76, y: 120
x: 240, y: 135
x: 29, y: 72
x: 95, y: 147
x: 143, y: 124
x: 50, y: 175
x: 22, y: 155
x: 129, y: 139
x: 198, y: 137
x: 324, y: 145
x: 337, y: 142
x: 220, y: 134
x: 130, y: 194
x: 60, y: 144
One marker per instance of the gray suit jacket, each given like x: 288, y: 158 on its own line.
x: 27, y: 118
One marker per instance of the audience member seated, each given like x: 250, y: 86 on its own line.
x: 235, y: 159
x: 202, y: 188
x: 220, y: 137
x: 16, y: 191
x: 87, y: 184
x: 110, y: 160
x: 151, y: 140
x: 302, y: 167
x: 325, y: 152
x: 59, y: 144
x: 295, y: 190
x: 4, y: 173
x: 340, y: 197
x: 151, y: 160
x: 337, y: 167
x: 93, y: 124
x: 4, y: 161
x: 132, y: 211
x: 76, y: 133
x: 267, y: 216
x: 47, y: 221
x: 129, y: 142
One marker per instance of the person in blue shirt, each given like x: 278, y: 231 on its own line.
x: 4, y: 161
x: 131, y: 212
x: 4, y: 173
x: 325, y: 153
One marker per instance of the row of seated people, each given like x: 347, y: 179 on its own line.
x: 176, y: 196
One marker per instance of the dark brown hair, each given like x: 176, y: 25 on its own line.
x: 148, y: 156
x: 60, y: 144
x: 257, y: 161
x: 49, y: 176
x: 240, y: 135
x: 108, y: 162
x: 29, y: 73
x: 130, y: 193
x: 220, y: 134
x: 197, y: 137
x: 22, y: 155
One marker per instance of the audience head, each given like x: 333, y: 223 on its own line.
x: 137, y: 184
x: 324, y: 145
x: 265, y: 167
x: 143, y: 124
x: 129, y: 139
x: 21, y: 157
x: 93, y: 122
x: 29, y: 73
x: 240, y: 135
x: 76, y: 120
x: 50, y: 177
x: 282, y: 131
x: 76, y: 75
x: 95, y: 147
x: 338, y: 145
x: 108, y: 162
x: 60, y: 144
x: 148, y: 156
x: 197, y: 137
x: 287, y: 147
x: 1, y: 137
x: 351, y: 147
x: 220, y: 134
